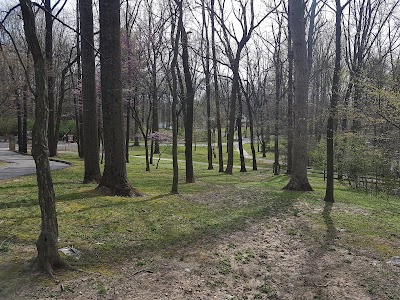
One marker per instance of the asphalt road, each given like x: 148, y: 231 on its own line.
x: 20, y: 164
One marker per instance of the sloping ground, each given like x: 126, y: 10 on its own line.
x: 297, y: 253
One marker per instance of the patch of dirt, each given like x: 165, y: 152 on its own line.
x: 284, y: 257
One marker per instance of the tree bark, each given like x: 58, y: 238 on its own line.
x: 290, y: 102
x: 329, y: 192
x: 174, y: 116
x: 299, y: 180
x: 278, y: 80
x: 90, y: 130
x: 189, y: 103
x: 232, y: 116
x: 115, y: 179
x: 240, y: 138
x: 48, y: 257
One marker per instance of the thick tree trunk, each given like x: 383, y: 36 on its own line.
x: 290, y: 103
x: 115, y: 179
x: 90, y: 138
x: 48, y: 257
x: 299, y: 180
x: 189, y: 105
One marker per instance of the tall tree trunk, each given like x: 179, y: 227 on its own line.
x: 290, y: 102
x: 174, y: 115
x: 329, y: 192
x: 216, y: 91
x: 206, y: 68
x: 90, y: 138
x: 50, y: 77
x: 156, y: 149
x: 77, y: 99
x: 115, y: 178
x: 299, y: 180
x: 189, y: 104
x: 48, y: 257
x: 278, y: 79
x: 232, y: 116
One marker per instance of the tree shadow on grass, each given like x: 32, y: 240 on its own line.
x: 316, y: 270
x: 169, y: 235
x: 181, y: 235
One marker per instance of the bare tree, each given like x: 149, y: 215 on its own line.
x: 189, y: 103
x: 48, y: 257
x: 90, y: 139
x: 329, y: 196
x: 299, y: 180
x: 248, y: 24
x: 114, y: 178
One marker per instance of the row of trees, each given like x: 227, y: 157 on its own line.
x: 207, y: 63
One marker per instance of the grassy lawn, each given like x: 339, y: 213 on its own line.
x: 113, y: 229
x: 200, y: 155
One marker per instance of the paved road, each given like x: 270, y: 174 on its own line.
x: 20, y: 164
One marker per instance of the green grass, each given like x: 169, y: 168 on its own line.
x: 111, y: 229
x: 200, y: 155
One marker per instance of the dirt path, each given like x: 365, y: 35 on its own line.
x: 288, y: 256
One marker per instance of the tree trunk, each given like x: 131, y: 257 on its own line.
x: 290, y: 102
x: 299, y: 180
x: 232, y: 116
x: 136, y: 126
x: 24, y: 148
x: 19, y: 120
x: 240, y: 139
x: 189, y: 104
x: 156, y: 148
x: 77, y: 100
x: 115, y: 179
x: 90, y: 138
x: 174, y: 116
x: 216, y: 91
x: 48, y: 257
x: 329, y: 192
x: 50, y: 78
x: 251, y: 120
x: 128, y: 117
x: 278, y: 80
